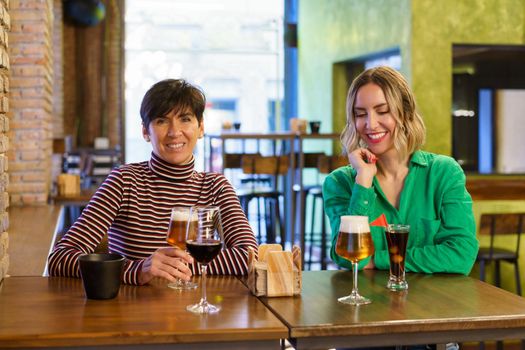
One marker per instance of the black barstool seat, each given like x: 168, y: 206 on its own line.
x: 496, y: 254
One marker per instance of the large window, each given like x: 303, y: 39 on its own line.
x: 232, y: 49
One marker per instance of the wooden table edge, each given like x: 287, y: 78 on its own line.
x: 133, y: 338
x: 405, y: 338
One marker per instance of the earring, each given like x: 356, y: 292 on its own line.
x: 147, y: 138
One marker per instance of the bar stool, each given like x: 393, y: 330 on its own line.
x: 234, y: 161
x: 302, y: 193
x: 271, y: 195
x: 501, y: 224
x: 316, y: 238
x: 313, y: 238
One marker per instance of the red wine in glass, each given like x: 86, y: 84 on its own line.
x: 204, y: 251
x: 204, y: 244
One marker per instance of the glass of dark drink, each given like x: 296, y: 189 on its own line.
x: 354, y: 243
x: 397, y: 237
x: 204, y: 244
x: 181, y: 222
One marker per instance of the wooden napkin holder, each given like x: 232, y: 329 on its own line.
x: 68, y: 185
x: 276, y: 273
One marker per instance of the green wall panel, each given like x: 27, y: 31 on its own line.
x: 332, y: 31
x: 436, y: 26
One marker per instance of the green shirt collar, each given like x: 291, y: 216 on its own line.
x: 419, y: 158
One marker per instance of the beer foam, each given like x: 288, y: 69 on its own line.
x: 183, y: 215
x: 354, y: 224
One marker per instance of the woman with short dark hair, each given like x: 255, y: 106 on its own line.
x: 133, y: 205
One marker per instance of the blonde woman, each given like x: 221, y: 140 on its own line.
x: 389, y: 174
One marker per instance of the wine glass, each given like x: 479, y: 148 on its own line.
x: 354, y: 243
x: 204, y: 244
x: 180, y: 222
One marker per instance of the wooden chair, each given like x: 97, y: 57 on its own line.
x: 256, y: 164
x: 497, y: 225
x: 327, y: 164
x: 234, y: 161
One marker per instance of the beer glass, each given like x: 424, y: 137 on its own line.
x: 180, y: 222
x: 396, y: 238
x: 354, y: 243
x: 204, y: 244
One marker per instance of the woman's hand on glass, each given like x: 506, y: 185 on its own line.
x: 364, y: 163
x: 167, y: 263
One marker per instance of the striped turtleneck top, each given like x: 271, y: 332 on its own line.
x: 133, y: 206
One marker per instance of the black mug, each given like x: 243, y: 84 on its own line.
x: 315, y: 126
x: 101, y: 274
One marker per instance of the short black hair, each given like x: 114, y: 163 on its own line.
x: 171, y: 94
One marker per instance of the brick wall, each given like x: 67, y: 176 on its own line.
x: 31, y: 101
x: 5, y: 23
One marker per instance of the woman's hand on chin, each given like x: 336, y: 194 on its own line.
x: 364, y: 163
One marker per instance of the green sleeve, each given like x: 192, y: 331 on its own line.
x: 448, y: 244
x: 342, y: 196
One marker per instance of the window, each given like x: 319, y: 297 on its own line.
x: 230, y: 48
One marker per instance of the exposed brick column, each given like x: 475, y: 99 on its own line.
x: 5, y: 24
x: 31, y: 101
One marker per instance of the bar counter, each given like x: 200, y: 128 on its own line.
x: 39, y: 312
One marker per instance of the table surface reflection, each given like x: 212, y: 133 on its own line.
x: 436, y: 309
x: 40, y: 311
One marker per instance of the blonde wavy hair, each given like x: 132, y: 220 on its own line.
x: 409, y: 134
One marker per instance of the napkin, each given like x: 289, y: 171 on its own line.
x: 380, y: 221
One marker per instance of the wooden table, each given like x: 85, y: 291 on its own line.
x: 82, y: 199
x: 52, y: 312
x: 73, y: 205
x: 437, y: 309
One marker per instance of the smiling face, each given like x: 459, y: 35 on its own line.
x: 374, y: 121
x: 174, y: 136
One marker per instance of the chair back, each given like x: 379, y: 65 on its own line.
x: 259, y: 164
x: 327, y: 164
x: 232, y: 160
x: 502, y: 224
x: 311, y: 159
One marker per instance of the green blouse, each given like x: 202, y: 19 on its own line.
x: 434, y: 202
